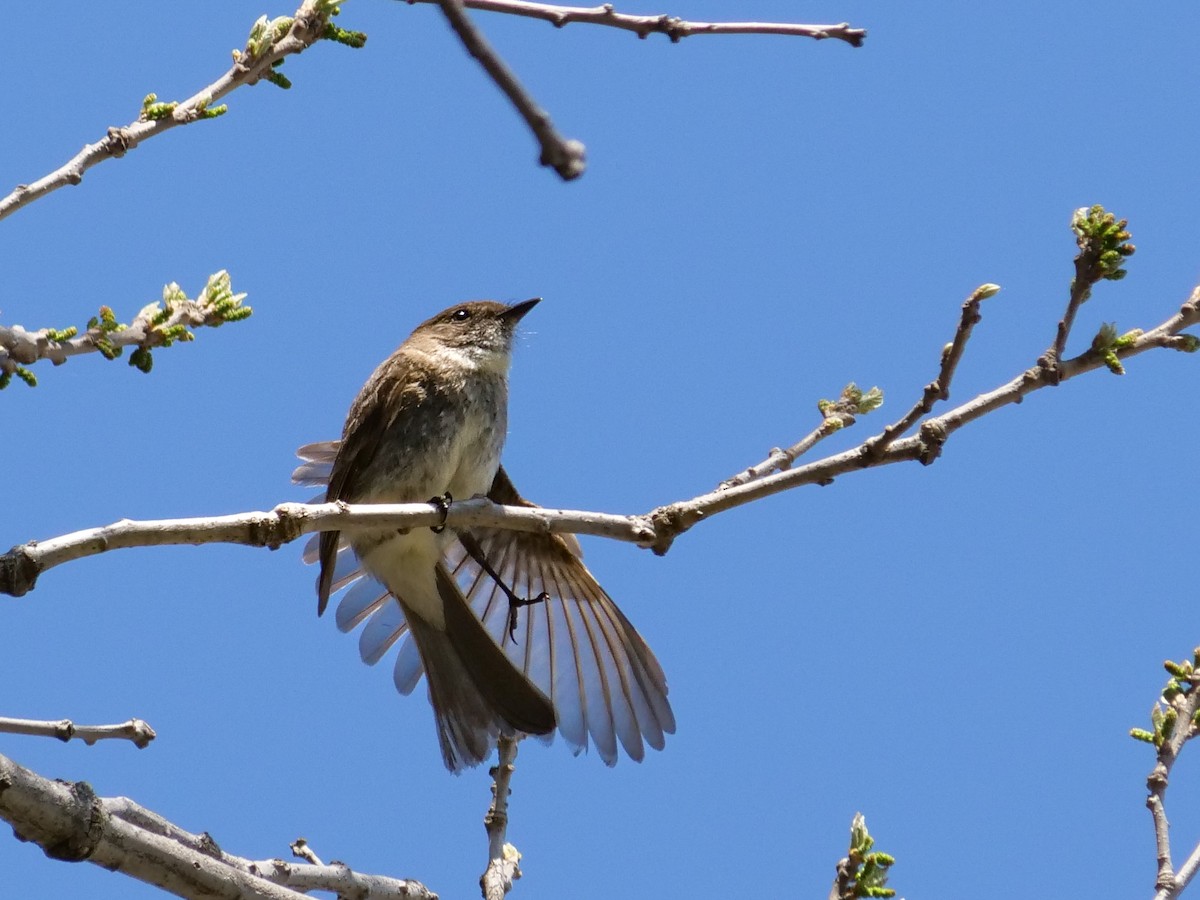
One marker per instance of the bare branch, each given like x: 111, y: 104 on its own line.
x: 939, y: 388
x: 503, y: 859
x: 656, y: 530
x: 301, y: 850
x: 566, y: 157
x: 270, y: 43
x: 20, y: 567
x: 674, y: 28
x: 134, y: 730
x: 69, y: 822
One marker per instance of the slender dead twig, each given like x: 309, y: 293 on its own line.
x: 135, y: 730
x: 566, y: 156
x: 673, y: 27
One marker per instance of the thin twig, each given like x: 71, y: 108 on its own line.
x: 1103, y: 247
x: 135, y: 730
x: 836, y: 415
x: 674, y: 28
x: 1081, y: 289
x: 301, y: 850
x: 656, y: 530
x: 71, y: 823
x: 566, y: 156
x: 1188, y: 870
x: 778, y: 459
x: 1169, y: 884
x: 503, y: 859
x: 308, y: 26
x: 939, y: 388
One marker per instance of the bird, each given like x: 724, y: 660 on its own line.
x: 513, y: 633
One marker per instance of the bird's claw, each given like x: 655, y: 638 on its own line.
x: 515, y: 603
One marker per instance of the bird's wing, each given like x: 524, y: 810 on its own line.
x: 368, y: 423
x: 576, y: 645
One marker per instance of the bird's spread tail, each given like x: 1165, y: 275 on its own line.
x: 476, y: 692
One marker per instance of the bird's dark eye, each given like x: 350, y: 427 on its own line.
x: 460, y: 315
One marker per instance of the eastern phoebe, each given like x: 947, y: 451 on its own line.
x: 431, y: 421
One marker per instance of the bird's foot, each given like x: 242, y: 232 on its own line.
x: 514, y: 604
x: 442, y: 502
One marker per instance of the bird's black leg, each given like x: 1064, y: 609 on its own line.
x: 443, y: 503
x: 514, y: 602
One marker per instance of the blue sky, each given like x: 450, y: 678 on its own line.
x: 956, y: 651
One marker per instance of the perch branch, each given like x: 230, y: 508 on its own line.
x: 20, y: 567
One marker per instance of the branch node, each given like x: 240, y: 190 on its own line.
x: 933, y: 436
x: 668, y: 523
x: 88, y: 817
x: 18, y: 572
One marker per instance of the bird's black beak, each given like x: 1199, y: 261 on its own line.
x: 515, y: 312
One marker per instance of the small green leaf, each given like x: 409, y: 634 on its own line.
x: 141, y: 359
x: 871, y: 400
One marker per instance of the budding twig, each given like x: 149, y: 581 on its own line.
x: 154, y: 326
x: 271, y: 42
x: 1175, y: 718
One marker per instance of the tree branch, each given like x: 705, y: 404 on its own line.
x: 835, y: 415
x: 70, y: 823
x: 674, y: 28
x: 154, y: 326
x: 1175, y: 720
x: 503, y: 858
x: 269, y: 44
x: 566, y: 157
x: 134, y: 730
x: 656, y: 530
x: 939, y: 388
